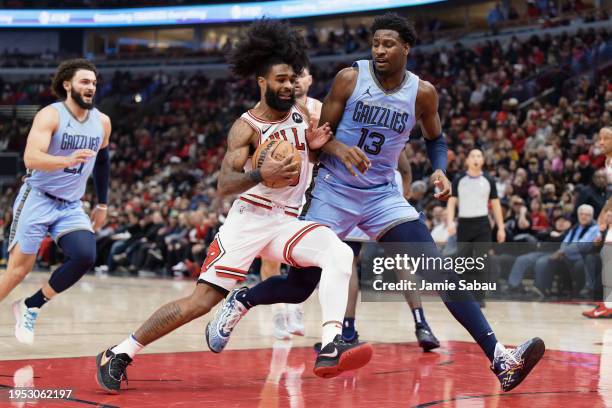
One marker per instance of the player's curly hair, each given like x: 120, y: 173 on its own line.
x: 395, y: 22
x: 66, y: 71
x: 266, y: 43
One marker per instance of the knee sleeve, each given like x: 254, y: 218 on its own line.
x: 322, y: 248
x: 338, y: 255
x: 79, y: 248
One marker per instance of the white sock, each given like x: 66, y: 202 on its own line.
x: 608, y: 297
x: 128, y: 346
x: 330, y: 331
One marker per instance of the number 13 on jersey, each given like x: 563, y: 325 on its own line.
x: 371, y: 142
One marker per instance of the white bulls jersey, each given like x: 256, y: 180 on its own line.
x: 291, y: 128
x: 264, y: 221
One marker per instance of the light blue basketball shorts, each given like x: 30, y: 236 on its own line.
x: 35, y: 215
x: 342, y: 208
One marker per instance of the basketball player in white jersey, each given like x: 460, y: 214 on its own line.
x: 604, y: 308
x: 288, y: 317
x: 67, y: 143
x: 262, y: 221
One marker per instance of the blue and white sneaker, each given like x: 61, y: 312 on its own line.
x: 25, y: 318
x: 512, y: 366
x: 220, y: 328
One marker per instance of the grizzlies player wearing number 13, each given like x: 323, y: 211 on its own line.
x: 372, y: 107
x: 67, y: 142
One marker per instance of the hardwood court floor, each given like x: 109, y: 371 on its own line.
x: 258, y: 371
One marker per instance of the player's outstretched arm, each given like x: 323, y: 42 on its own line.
x: 36, y: 157
x: 437, y: 150
x: 332, y: 111
x: 233, y: 179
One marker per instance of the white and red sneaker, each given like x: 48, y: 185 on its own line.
x: 600, y: 312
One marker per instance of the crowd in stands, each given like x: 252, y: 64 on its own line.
x: 167, y: 148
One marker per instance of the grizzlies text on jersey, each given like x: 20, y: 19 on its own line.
x: 379, y: 123
x: 69, y: 184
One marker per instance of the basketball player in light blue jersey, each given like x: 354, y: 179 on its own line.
x: 372, y: 107
x: 67, y: 143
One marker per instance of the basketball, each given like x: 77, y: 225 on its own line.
x: 278, y: 150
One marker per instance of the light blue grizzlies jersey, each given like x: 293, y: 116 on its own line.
x: 377, y: 121
x: 69, y: 184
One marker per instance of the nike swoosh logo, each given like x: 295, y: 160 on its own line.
x: 104, y: 359
x: 331, y: 355
x: 489, y: 333
x: 599, y: 313
x: 264, y: 131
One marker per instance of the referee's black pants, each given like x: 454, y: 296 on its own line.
x: 474, y: 240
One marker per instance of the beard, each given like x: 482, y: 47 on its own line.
x: 278, y: 104
x: 79, y: 100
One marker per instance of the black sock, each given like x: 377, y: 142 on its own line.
x: 348, y: 328
x: 419, y: 318
x: 295, y: 287
x: 36, y: 300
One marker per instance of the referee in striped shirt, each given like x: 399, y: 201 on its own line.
x: 472, y: 192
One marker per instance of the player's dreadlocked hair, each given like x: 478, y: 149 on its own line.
x: 66, y: 71
x: 268, y: 43
x: 395, y: 22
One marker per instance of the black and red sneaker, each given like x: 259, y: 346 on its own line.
x: 339, y: 356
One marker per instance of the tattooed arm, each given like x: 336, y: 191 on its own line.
x: 233, y: 179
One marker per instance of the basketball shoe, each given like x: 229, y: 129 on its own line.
x: 295, y: 319
x: 512, y: 366
x: 426, y: 338
x: 355, y: 339
x: 111, y: 370
x: 339, y: 356
x: 281, y: 331
x: 25, y: 318
x: 600, y: 312
x: 219, y: 329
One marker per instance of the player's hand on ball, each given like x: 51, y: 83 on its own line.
x: 439, y: 179
x: 316, y: 138
x: 279, y: 170
x: 79, y: 156
x: 98, y: 218
x: 352, y: 156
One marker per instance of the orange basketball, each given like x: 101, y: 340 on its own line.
x: 278, y: 150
